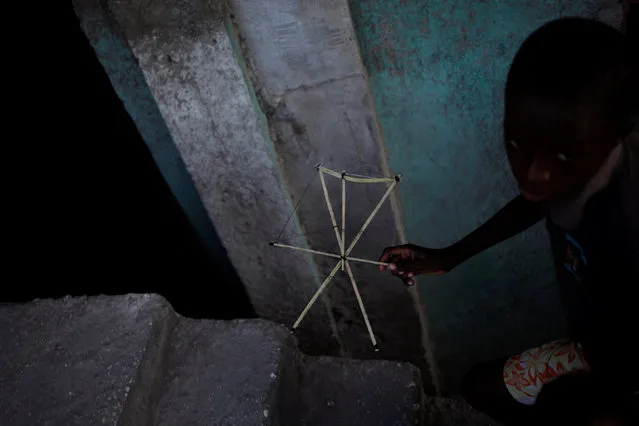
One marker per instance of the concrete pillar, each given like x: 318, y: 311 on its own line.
x: 180, y: 66
x: 304, y: 59
x: 174, y: 67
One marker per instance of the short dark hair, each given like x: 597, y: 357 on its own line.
x: 576, y: 62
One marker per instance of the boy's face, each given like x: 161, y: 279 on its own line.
x: 554, y: 150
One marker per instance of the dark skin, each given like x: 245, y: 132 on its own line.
x: 554, y: 148
x: 550, y: 163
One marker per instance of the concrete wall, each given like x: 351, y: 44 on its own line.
x: 437, y: 70
x: 305, y: 64
x: 174, y: 67
x: 247, y: 153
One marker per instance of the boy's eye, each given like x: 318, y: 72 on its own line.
x: 562, y: 157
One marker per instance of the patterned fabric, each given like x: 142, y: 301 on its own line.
x: 525, y: 374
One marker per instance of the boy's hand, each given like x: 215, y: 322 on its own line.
x: 409, y: 260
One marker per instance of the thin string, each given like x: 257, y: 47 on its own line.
x: 359, y: 176
x: 296, y: 206
x: 368, y: 177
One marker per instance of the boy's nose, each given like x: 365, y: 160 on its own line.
x: 538, y: 172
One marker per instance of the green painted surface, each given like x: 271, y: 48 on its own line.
x: 437, y: 70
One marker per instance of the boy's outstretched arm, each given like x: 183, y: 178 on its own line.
x: 516, y: 216
x: 409, y: 260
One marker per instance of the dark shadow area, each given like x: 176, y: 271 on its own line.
x: 93, y: 213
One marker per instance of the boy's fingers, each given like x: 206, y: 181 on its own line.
x: 394, y: 251
x: 385, y: 254
x: 409, y: 267
x: 391, y: 255
x: 384, y: 258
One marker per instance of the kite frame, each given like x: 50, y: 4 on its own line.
x: 340, y: 234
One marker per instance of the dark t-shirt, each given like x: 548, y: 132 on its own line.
x: 597, y: 266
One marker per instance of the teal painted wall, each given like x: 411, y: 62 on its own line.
x: 437, y: 71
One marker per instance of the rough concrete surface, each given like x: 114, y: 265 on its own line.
x: 186, y: 56
x: 82, y: 361
x: 298, y: 44
x: 310, y: 81
x: 349, y: 143
x: 453, y: 412
x: 224, y: 373
x: 128, y: 81
x: 130, y: 360
x: 341, y: 392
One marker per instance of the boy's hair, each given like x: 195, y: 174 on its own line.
x: 574, y: 62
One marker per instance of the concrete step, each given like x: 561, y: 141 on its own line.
x: 82, y: 361
x: 333, y: 391
x: 224, y: 373
x: 452, y: 412
x: 130, y: 360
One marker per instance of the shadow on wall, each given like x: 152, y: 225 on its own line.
x: 105, y: 221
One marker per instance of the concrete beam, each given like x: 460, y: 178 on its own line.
x: 247, y: 155
x: 305, y: 63
x: 190, y: 85
x: 128, y: 80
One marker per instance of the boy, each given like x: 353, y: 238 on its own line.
x: 568, y: 131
